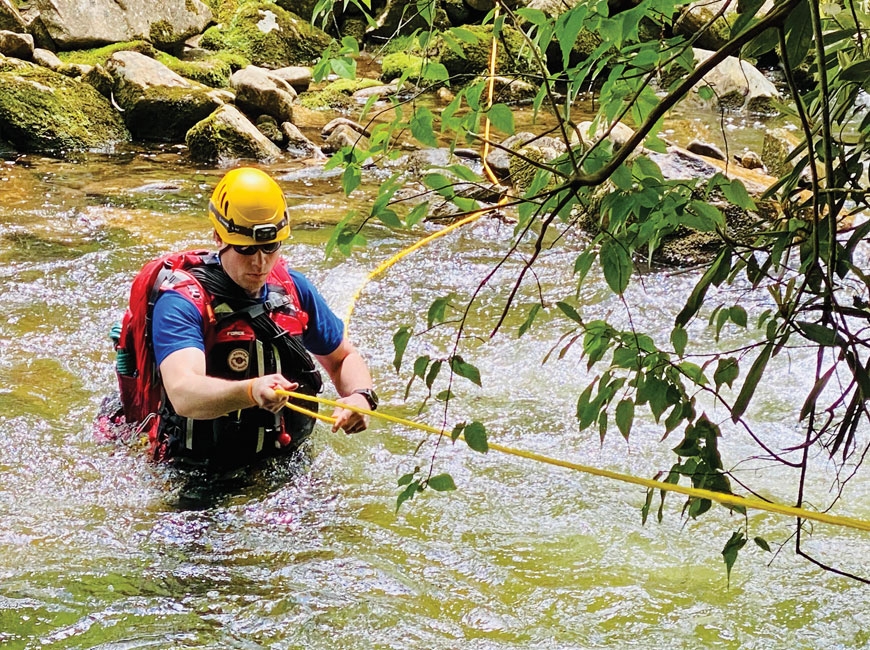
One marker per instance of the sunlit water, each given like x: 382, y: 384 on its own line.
x: 99, y: 550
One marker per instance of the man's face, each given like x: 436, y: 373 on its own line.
x: 248, y: 271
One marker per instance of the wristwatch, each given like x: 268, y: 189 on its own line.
x: 370, y: 395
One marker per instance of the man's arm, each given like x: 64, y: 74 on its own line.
x: 196, y: 395
x: 348, y: 372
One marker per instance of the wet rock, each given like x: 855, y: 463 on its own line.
x: 157, y: 103
x: 617, y: 134
x: 18, y: 46
x: 375, y: 91
x: 297, y: 145
x: 738, y: 86
x: 227, y: 136
x: 776, y: 149
x: 99, y: 78
x: 42, y: 110
x: 268, y: 126
x: 343, y: 121
x: 258, y: 90
x: 296, y: 75
x: 342, y: 136
x: 707, y: 149
x: 749, y: 160
x: 73, y: 24
x: 523, y: 168
x: 499, y: 159
x: 697, y: 20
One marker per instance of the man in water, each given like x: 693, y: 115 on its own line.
x: 230, y: 333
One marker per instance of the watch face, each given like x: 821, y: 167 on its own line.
x: 370, y: 395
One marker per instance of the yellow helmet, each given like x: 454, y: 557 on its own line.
x: 247, y: 207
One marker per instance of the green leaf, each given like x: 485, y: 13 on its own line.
x: 406, y: 479
x: 433, y: 71
x: 569, y: 311
x: 732, y: 548
x: 502, y: 118
x: 433, y: 373
x: 417, y: 214
x: 752, y: 380
x: 616, y: 264
x: 727, y: 370
x: 718, y: 270
x: 465, y: 369
x: 568, y: 27
x: 344, y: 67
x: 761, y: 543
x: 420, y: 365
x: 761, y: 44
x: 533, y: 312
x: 421, y: 127
x: 400, y: 342
x: 738, y: 316
x: 679, y: 339
x: 441, y: 483
x: 625, y: 417
x: 437, y: 310
x: 736, y: 193
x: 465, y: 35
x: 820, y: 334
x: 350, y: 179
x: 475, y: 437
x: 798, y: 33
x: 425, y: 10
x: 408, y: 493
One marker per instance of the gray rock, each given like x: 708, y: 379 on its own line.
x: 259, y: 91
x: 74, y: 24
x: 297, y: 76
x: 10, y: 18
x: 333, y: 125
x: 46, y: 58
x: 227, y: 136
x: 344, y: 136
x: 18, y: 46
x: 298, y: 145
x: 707, y: 149
x: 157, y: 103
x: 499, y: 160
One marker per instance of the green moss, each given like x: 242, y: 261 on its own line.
x: 268, y: 36
x: 326, y: 99
x: 513, y: 53
x: 394, y: 65
x: 211, y: 140
x: 41, y: 110
x: 162, y: 33
x: 350, y: 86
x: 99, y: 56
x: 214, y: 71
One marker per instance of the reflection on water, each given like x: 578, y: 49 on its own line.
x: 100, y: 549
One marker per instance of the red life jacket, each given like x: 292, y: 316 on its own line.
x: 234, y: 350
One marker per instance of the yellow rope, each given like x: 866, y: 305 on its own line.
x: 719, y: 497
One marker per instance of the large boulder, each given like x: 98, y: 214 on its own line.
x: 42, y: 110
x: 10, y: 19
x: 738, y: 86
x: 74, y: 24
x: 260, y: 91
x: 18, y: 46
x: 157, y: 103
x: 227, y: 136
x: 268, y: 36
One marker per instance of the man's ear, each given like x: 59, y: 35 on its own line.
x: 217, y: 239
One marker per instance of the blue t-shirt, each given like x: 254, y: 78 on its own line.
x: 177, y: 323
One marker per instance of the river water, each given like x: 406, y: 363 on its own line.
x: 98, y: 549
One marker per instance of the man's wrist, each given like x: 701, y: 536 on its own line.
x: 370, y: 395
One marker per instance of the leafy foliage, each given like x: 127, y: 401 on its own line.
x: 805, y: 259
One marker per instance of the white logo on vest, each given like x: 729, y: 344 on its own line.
x: 238, y: 360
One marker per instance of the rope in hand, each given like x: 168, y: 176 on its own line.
x: 720, y: 497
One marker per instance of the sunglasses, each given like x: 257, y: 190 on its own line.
x: 268, y: 249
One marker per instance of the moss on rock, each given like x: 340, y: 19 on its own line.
x: 512, y: 52
x: 336, y: 95
x: 268, y: 36
x: 395, y: 64
x: 42, y: 110
x: 100, y: 55
x: 214, y: 71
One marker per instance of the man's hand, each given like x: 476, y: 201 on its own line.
x: 351, y: 421
x: 262, y: 391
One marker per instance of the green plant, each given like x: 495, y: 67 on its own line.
x: 804, y: 257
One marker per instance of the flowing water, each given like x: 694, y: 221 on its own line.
x: 99, y: 550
